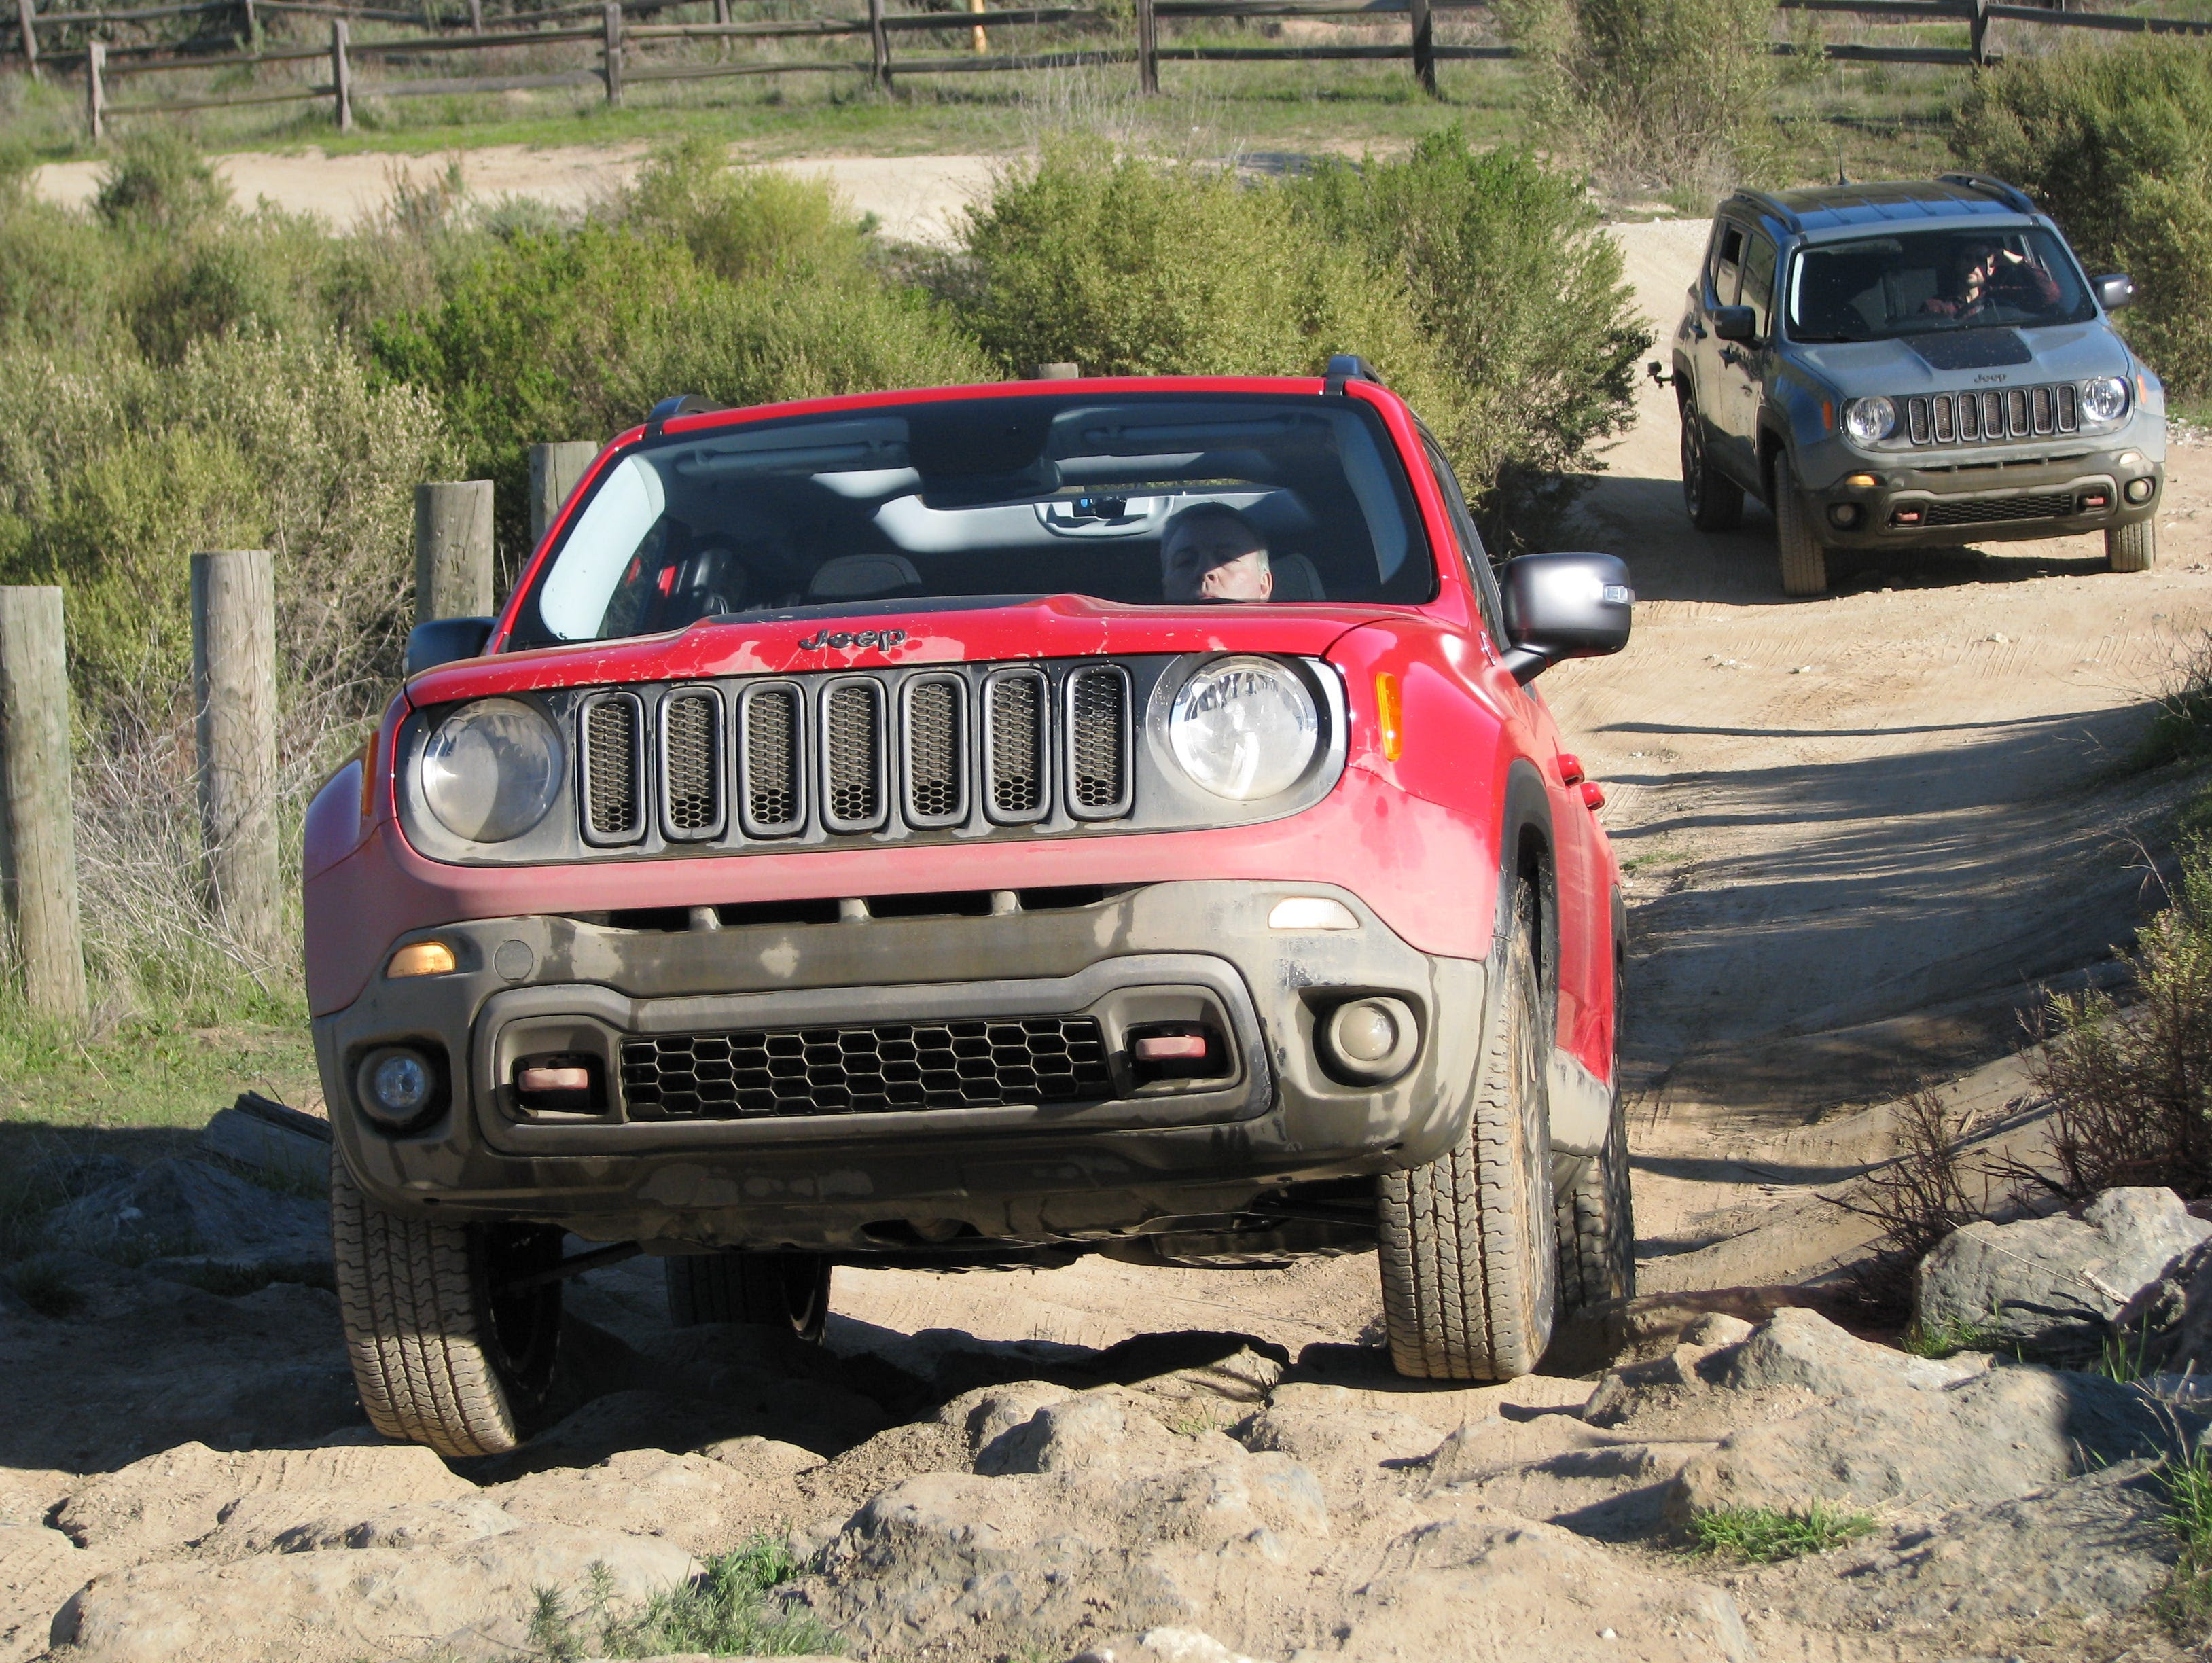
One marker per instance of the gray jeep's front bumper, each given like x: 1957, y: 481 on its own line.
x: 1155, y: 1158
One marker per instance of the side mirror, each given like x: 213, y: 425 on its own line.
x: 442, y: 640
x: 2114, y: 290
x: 1735, y: 323
x: 1563, y: 606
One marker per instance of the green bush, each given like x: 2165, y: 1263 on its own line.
x: 2116, y: 143
x: 1473, y: 283
x: 1672, y: 93
x: 747, y: 223
x: 1512, y: 285
x: 159, y: 182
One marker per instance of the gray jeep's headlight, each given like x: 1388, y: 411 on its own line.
x: 1244, y: 728
x: 2104, y: 398
x: 1869, y: 420
x: 491, y: 770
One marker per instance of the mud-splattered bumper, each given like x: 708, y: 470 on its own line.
x: 650, y: 1154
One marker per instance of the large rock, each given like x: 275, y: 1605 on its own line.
x: 179, y: 1209
x: 182, y: 1494
x: 2053, y: 1286
x: 341, y: 1605
x: 1802, y: 1348
x: 1998, y: 1436
x: 704, y: 1505
x: 1487, y: 1588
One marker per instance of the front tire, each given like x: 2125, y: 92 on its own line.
x: 773, y: 1290
x: 2132, y: 548
x: 1714, y: 500
x: 1597, y: 1224
x: 1468, y: 1242
x: 444, y: 1351
x: 1804, y: 561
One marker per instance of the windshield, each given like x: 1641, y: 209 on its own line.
x: 1920, y: 281
x: 1148, y: 499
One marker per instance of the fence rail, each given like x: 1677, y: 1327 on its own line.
x: 625, y: 46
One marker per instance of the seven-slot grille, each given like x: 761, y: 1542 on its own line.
x: 1978, y: 418
x: 979, y: 1063
x: 851, y: 753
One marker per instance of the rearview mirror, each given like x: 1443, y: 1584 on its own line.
x: 2114, y: 290
x: 442, y: 640
x: 1563, y: 606
x: 1735, y: 323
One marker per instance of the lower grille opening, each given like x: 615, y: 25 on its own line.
x: 961, y: 903
x: 1991, y: 510
x: 979, y: 1063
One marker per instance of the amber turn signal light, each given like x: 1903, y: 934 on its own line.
x: 1388, y: 716
x: 421, y: 958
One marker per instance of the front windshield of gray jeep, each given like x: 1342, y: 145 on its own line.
x: 1919, y: 282
x: 1160, y: 499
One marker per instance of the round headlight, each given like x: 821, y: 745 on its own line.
x: 1244, y: 728
x: 491, y: 770
x: 2103, y: 399
x: 1867, y: 420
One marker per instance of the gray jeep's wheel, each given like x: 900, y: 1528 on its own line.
x: 777, y: 1290
x: 1597, y: 1214
x: 442, y: 1353
x: 1469, y: 1254
x: 1714, y: 500
x: 2132, y: 548
x: 1804, y: 561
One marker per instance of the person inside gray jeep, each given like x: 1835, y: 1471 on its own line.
x: 1986, y: 274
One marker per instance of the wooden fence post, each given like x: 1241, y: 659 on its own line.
x: 554, y: 470
x: 1425, y: 46
x: 341, y: 76
x: 95, y: 95
x: 38, y: 833
x: 982, y: 36
x: 1977, y: 34
x: 1148, y: 50
x: 453, y: 551
x: 476, y: 16
x: 879, y: 48
x: 26, y: 20
x: 614, y: 51
x: 722, y: 13
x: 235, y: 689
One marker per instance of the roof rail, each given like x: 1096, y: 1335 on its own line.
x: 1772, y: 205
x: 1350, y: 367
x: 683, y: 403
x: 2010, y: 195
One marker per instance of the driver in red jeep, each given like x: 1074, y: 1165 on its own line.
x: 857, y: 842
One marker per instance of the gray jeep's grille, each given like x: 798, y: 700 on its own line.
x: 1989, y: 510
x: 975, y: 1064
x: 852, y: 754
x: 1986, y: 418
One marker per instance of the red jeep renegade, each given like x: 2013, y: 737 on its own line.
x: 976, y: 827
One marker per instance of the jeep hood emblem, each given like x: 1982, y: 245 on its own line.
x: 882, y: 639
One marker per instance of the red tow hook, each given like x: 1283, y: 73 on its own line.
x: 1570, y: 769
x: 1593, y: 794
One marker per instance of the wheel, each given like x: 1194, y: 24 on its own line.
x: 1714, y: 500
x: 777, y: 1290
x: 443, y: 1353
x: 1597, y: 1215
x: 1804, y: 561
x: 1470, y: 1255
x: 2132, y: 548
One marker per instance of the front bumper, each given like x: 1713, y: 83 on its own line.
x: 1146, y: 1155
x: 1944, y: 498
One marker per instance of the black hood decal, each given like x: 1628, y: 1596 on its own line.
x: 1972, y: 348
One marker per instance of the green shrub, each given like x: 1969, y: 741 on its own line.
x: 1513, y: 285
x: 1673, y: 93
x: 1765, y: 1534
x: 2116, y: 143
x: 747, y: 223
x: 158, y: 182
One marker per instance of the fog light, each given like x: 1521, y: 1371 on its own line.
x: 421, y: 958
x: 399, y: 1087
x: 1843, y: 515
x: 1370, y: 1041
x: 2139, y: 490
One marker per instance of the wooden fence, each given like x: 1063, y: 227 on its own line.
x: 628, y: 51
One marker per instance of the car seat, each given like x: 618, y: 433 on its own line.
x: 863, y: 577
x: 1295, y: 578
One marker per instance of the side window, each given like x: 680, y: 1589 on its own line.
x: 1728, y: 260
x: 1759, y: 282
x: 1472, y: 552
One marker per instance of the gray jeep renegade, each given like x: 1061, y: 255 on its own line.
x: 1913, y: 365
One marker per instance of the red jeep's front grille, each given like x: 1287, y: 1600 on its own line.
x: 979, y: 1063
x: 856, y: 754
